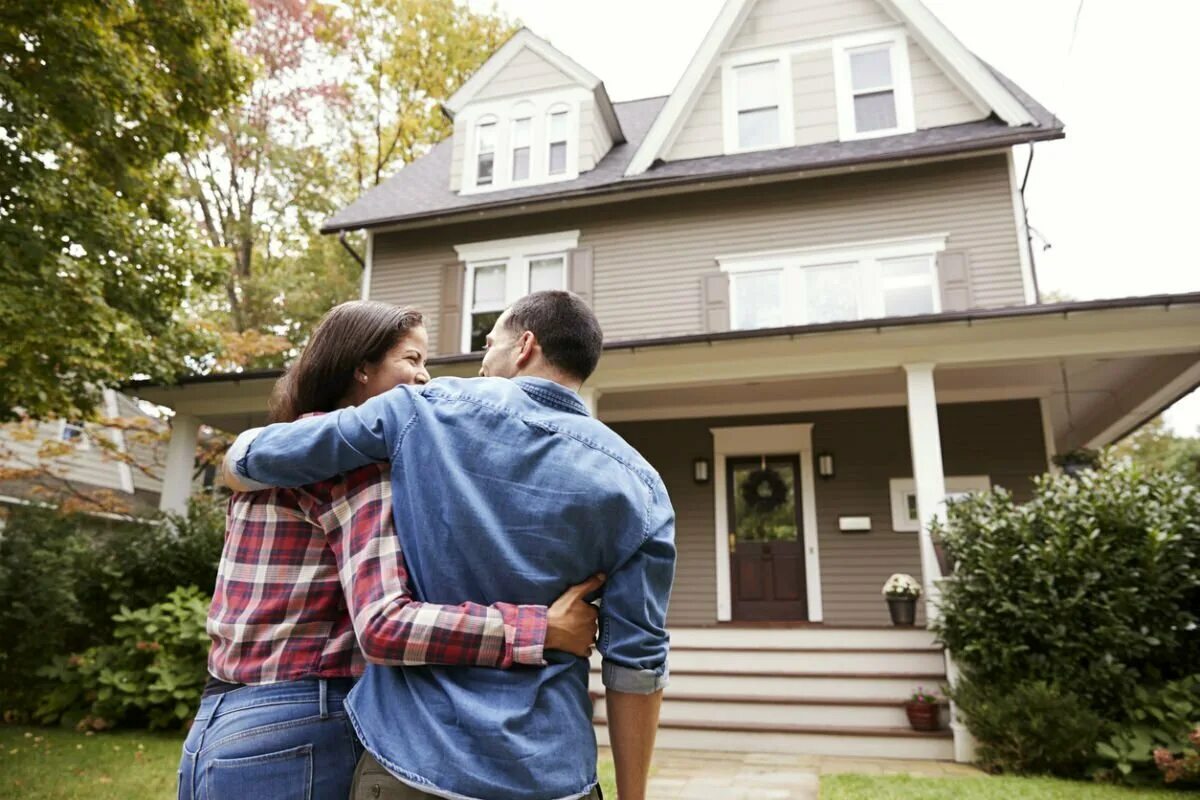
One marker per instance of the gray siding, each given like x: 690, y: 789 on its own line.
x: 594, y: 138
x: 779, y: 22
x: 701, y: 135
x: 814, y: 97
x: 936, y: 100
x: 457, y: 154
x: 1002, y: 440
x: 650, y: 255
x: 525, y: 74
x: 88, y: 466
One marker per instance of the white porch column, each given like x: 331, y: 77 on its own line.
x: 181, y: 463
x: 591, y: 399
x: 930, y: 478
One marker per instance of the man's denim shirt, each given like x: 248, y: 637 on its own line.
x: 504, y: 491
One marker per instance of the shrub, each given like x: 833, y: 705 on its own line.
x: 64, y: 576
x: 1031, y: 727
x: 1159, y: 722
x: 1186, y: 768
x: 1093, y: 582
x: 152, y: 673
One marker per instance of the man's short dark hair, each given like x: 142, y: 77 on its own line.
x: 565, y: 327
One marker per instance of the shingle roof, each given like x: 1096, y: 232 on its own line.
x: 421, y: 190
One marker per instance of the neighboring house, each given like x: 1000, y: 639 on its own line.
x: 812, y: 266
x: 87, y: 466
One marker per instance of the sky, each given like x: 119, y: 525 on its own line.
x: 1114, y: 206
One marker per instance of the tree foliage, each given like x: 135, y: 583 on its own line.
x: 96, y: 97
x: 1155, y: 446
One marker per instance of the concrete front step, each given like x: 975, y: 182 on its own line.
x: 850, y: 662
x: 842, y: 712
x: 886, y: 688
x: 728, y: 637
x: 810, y: 740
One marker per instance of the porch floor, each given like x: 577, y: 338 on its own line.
x: 704, y: 775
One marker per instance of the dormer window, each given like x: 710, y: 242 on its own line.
x: 521, y: 130
x: 485, y: 146
x: 757, y: 99
x: 873, y: 86
x: 556, y: 141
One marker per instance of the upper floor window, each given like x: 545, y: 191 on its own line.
x: 74, y: 433
x: 873, y: 85
x: 810, y: 287
x: 485, y: 156
x: 501, y: 272
x: 521, y: 133
x: 758, y: 103
x: 556, y: 141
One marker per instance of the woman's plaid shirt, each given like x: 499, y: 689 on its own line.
x: 312, y: 579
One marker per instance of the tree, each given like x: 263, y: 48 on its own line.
x: 96, y: 98
x: 1154, y: 446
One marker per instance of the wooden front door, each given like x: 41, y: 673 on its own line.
x: 766, y: 544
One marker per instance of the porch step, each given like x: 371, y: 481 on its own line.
x: 852, y: 661
x: 729, y: 637
x: 886, y: 688
x: 755, y: 709
x: 814, y: 740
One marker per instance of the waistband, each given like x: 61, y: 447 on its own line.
x: 240, y: 696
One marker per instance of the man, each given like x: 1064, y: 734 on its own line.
x: 504, y: 489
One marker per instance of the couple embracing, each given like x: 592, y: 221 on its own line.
x: 449, y: 534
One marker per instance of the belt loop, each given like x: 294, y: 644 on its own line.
x: 208, y: 722
x: 324, y: 693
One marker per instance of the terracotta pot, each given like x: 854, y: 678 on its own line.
x: 922, y: 716
x: 903, y: 611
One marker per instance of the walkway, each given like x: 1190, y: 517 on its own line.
x: 695, y: 775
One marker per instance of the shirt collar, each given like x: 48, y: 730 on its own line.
x: 549, y: 393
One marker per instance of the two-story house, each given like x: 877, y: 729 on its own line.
x: 813, y: 270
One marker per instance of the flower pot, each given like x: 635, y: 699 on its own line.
x: 922, y: 716
x: 903, y: 611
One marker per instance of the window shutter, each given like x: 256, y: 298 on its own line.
x: 715, y: 292
x: 579, y: 273
x: 450, y: 320
x: 955, y: 279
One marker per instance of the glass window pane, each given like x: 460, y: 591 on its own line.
x: 487, y: 137
x: 558, y: 158
x: 489, y: 286
x: 831, y: 293
x: 521, y: 163
x: 907, y: 301
x: 764, y: 500
x: 757, y: 296
x: 545, y: 274
x: 481, y: 326
x: 757, y: 85
x: 905, y: 269
x: 758, y: 128
x: 875, y: 112
x: 558, y: 127
x: 871, y: 69
x: 483, y: 171
x: 521, y: 132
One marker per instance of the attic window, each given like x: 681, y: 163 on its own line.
x: 520, y: 148
x: 485, y: 164
x: 556, y: 127
x: 757, y: 103
x: 873, y: 86
x: 74, y: 433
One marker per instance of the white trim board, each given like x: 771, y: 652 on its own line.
x: 521, y: 40
x: 962, y: 67
x: 767, y: 440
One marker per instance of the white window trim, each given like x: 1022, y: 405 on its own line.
x: 770, y: 440
x: 536, y: 107
x: 866, y: 255
x: 515, y: 254
x: 729, y: 110
x: 901, y: 83
x: 901, y: 488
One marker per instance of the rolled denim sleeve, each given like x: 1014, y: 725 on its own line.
x: 314, y: 449
x: 633, y: 638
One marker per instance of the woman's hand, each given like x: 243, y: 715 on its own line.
x: 571, y: 621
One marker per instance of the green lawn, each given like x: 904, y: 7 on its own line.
x: 56, y: 764
x: 902, y: 787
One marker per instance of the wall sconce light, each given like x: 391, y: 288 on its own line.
x: 825, y: 465
x: 700, y: 470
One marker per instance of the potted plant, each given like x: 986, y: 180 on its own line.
x: 902, y: 591
x: 922, y: 710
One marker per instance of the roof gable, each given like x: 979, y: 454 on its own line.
x: 966, y: 71
x: 526, y: 46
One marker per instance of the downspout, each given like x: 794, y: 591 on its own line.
x: 354, y: 253
x: 1037, y: 292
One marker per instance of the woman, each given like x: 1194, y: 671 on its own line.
x: 312, y: 581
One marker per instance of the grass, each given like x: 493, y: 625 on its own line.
x: 57, y: 764
x: 903, y: 787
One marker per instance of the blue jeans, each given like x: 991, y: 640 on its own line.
x: 285, y: 741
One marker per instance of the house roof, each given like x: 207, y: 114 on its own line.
x: 421, y: 190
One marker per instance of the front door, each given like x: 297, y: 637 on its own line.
x: 766, y: 548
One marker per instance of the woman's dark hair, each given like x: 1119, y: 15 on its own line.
x: 350, y: 335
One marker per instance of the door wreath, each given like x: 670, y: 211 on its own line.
x: 764, y: 490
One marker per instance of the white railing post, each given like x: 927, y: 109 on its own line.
x: 928, y: 474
